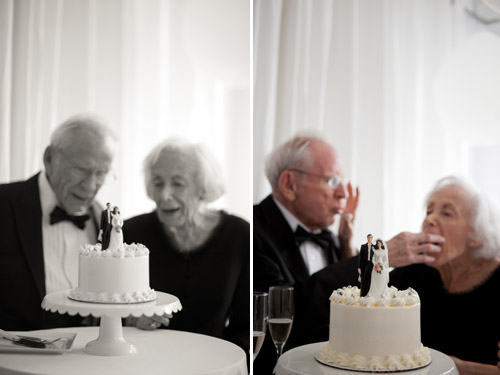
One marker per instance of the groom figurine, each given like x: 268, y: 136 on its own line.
x: 365, y: 265
x: 105, y: 229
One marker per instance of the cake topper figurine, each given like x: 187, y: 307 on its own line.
x: 380, y: 272
x: 365, y: 265
x: 373, y: 268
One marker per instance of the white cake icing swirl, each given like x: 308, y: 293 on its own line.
x: 376, y: 363
x: 396, y: 298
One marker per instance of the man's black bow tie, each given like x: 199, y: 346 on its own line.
x: 323, y: 239
x: 58, y: 214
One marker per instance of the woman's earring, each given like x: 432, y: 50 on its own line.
x: 474, y: 243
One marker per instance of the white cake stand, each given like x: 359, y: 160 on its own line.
x: 110, y: 341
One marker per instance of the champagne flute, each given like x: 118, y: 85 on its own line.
x: 280, y: 316
x: 259, y: 320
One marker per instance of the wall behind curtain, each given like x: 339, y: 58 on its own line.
x: 153, y: 68
x: 364, y: 74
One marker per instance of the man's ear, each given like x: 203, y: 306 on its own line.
x: 288, y: 185
x: 48, y: 158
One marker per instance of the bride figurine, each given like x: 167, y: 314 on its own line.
x: 116, y: 237
x: 380, y: 273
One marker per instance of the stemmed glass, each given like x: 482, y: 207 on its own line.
x: 280, y: 316
x: 259, y: 320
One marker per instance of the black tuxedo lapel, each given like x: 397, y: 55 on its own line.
x: 282, y: 234
x: 28, y: 216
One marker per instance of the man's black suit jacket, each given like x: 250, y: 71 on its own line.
x: 363, y: 255
x: 22, y: 273
x: 277, y: 260
x: 365, y: 267
x: 106, y: 227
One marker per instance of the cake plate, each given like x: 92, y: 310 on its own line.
x: 110, y: 341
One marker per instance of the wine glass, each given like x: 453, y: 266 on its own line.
x: 259, y: 320
x: 280, y: 316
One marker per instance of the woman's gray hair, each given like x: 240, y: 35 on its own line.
x: 209, y: 176
x: 64, y: 135
x: 485, y: 218
x: 294, y: 153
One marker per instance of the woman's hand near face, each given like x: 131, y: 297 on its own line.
x: 410, y: 248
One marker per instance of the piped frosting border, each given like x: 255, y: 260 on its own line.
x: 349, y: 295
x: 78, y: 294
x: 134, y: 250
x: 420, y: 358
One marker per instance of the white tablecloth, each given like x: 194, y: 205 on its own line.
x: 301, y: 361
x: 159, y: 352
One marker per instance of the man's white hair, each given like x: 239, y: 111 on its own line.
x: 64, y: 135
x: 295, y: 153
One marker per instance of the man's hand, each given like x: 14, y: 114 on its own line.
x: 474, y: 368
x: 347, y: 223
x: 498, y: 363
x: 410, y: 248
x: 150, y: 323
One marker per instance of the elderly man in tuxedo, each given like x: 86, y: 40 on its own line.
x: 44, y: 220
x: 292, y: 244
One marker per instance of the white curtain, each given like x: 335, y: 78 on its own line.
x: 369, y: 76
x: 153, y: 68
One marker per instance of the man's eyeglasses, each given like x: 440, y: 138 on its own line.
x: 101, y: 175
x: 333, y: 181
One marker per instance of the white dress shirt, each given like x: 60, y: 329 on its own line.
x: 61, y: 243
x: 314, y: 256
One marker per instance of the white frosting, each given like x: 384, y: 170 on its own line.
x: 396, y: 298
x: 113, y: 276
x: 391, y: 362
x: 124, y: 251
x: 102, y: 297
x: 375, y: 334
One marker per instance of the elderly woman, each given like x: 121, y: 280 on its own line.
x: 198, y: 254
x: 459, y: 290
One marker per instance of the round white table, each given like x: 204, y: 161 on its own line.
x: 158, y: 352
x: 301, y: 361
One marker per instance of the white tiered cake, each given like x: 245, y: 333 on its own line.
x: 120, y: 276
x: 119, y: 273
x: 379, y: 331
x: 375, y: 334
